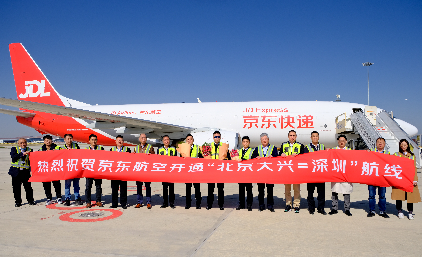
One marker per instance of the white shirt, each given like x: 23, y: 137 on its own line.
x: 265, y: 149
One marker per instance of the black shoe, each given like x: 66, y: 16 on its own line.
x: 113, y: 206
x: 18, y: 204
x: 333, y: 212
x: 238, y: 208
x: 384, y: 215
x: 288, y: 208
x: 32, y: 203
x: 124, y: 206
x: 322, y: 212
x: 348, y: 213
x: 67, y: 202
x: 311, y: 212
x: 172, y: 206
x: 370, y: 214
x: 271, y: 209
x: 249, y: 208
x: 187, y: 207
x: 261, y: 208
x: 221, y: 208
x: 209, y: 207
x: 79, y: 201
x: 198, y: 207
x: 296, y: 209
x: 164, y: 206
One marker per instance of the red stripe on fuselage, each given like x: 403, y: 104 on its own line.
x: 61, y: 125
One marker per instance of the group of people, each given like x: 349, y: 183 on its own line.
x: 20, y: 172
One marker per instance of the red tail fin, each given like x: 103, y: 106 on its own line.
x: 31, y: 84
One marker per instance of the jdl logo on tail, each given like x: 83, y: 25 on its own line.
x: 30, y: 89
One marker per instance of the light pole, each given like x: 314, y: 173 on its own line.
x: 368, y: 64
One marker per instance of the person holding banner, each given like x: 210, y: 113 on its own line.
x: 344, y: 188
x: 292, y: 148
x: 89, y: 181
x: 265, y: 150
x: 20, y: 171
x: 169, y: 151
x: 245, y: 154
x: 194, y: 153
x: 400, y: 195
x: 115, y: 184
x: 313, y: 147
x: 48, y: 146
x: 69, y: 144
x: 382, y: 202
x: 215, y: 153
x: 145, y: 148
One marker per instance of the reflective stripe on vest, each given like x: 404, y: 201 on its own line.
x: 248, y: 153
x: 99, y: 147
x: 115, y: 149
x: 311, y: 149
x: 171, y: 151
x: 384, y: 152
x: 194, y: 151
x: 22, y: 164
x: 412, y: 157
x: 290, y: 150
x: 346, y: 148
x: 73, y: 146
x: 147, y: 148
x: 215, y: 155
x: 261, y: 151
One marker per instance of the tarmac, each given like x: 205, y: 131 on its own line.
x: 64, y: 231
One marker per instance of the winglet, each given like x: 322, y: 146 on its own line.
x: 31, y: 83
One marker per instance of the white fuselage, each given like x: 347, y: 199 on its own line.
x: 245, y: 118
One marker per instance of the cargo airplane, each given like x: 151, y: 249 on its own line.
x: 47, y: 111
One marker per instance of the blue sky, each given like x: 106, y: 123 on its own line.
x: 118, y: 52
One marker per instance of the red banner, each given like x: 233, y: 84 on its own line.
x: 323, y: 166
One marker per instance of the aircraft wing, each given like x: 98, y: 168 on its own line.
x: 89, y: 115
x: 17, y: 113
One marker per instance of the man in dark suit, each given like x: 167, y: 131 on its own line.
x: 265, y: 150
x: 195, y: 152
x: 50, y: 146
x: 20, y: 171
x: 167, y: 186
x: 115, y: 184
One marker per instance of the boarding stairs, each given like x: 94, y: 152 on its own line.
x: 365, y: 129
x: 389, y: 129
x: 379, y: 125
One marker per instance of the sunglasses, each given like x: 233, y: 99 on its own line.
x: 217, y: 136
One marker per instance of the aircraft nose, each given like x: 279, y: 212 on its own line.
x: 407, y: 127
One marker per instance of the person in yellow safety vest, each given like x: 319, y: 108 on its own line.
x: 382, y: 202
x: 49, y: 146
x: 245, y: 153
x: 89, y: 181
x: 313, y: 147
x: 194, y: 153
x: 145, y: 148
x: 400, y: 195
x: 115, y: 184
x: 292, y: 148
x: 69, y: 144
x: 215, y: 151
x: 344, y: 188
x: 20, y: 170
x: 263, y: 151
x: 168, y: 188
